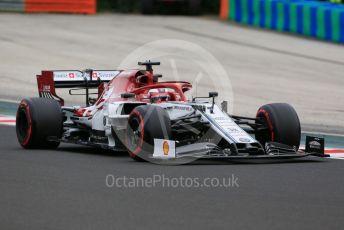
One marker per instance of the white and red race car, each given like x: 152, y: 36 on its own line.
x: 154, y: 120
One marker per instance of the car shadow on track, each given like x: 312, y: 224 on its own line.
x: 255, y: 162
x: 91, y: 150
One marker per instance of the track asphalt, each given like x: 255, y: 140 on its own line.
x: 66, y: 189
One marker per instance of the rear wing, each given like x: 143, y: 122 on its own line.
x: 49, y: 80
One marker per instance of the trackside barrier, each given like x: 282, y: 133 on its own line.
x: 61, y: 6
x: 310, y: 18
x: 50, y: 6
x: 12, y: 5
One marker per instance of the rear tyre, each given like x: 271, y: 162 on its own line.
x: 39, y: 120
x: 282, y: 122
x: 147, y: 6
x: 145, y: 123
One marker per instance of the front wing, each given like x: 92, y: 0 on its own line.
x: 207, y: 150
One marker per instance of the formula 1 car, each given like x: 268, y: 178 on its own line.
x: 135, y: 112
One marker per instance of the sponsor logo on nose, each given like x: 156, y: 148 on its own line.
x: 165, y: 148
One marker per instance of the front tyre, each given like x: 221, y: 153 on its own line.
x: 145, y: 123
x: 38, y: 121
x: 282, y: 124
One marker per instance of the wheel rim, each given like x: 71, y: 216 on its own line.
x: 23, y: 126
x: 264, y: 136
x: 135, y: 135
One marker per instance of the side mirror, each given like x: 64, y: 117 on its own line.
x: 224, y: 106
x: 213, y: 94
x: 128, y: 95
x: 156, y: 77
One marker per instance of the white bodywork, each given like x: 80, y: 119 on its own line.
x: 111, y: 117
